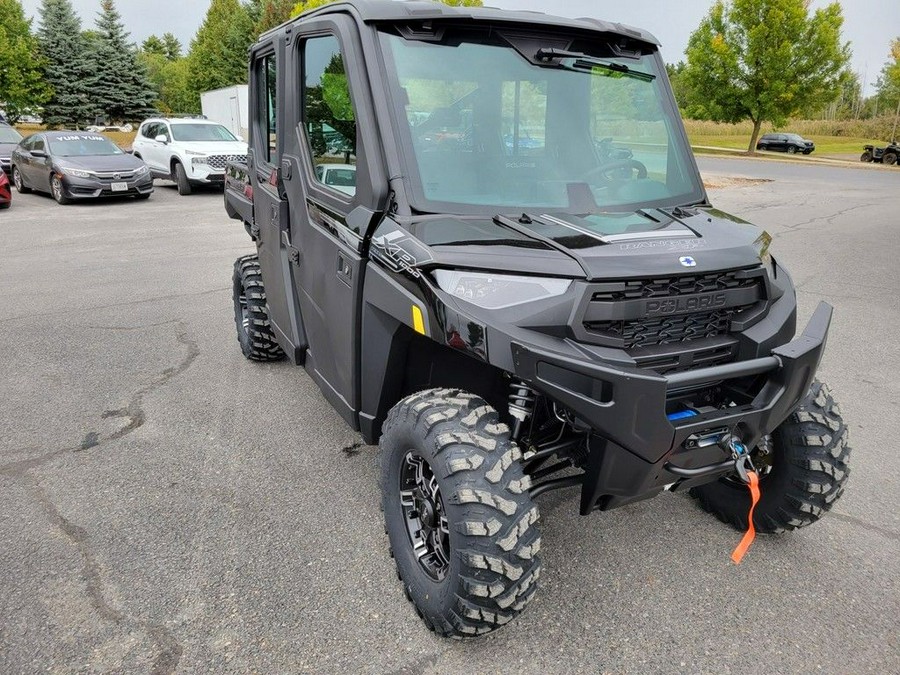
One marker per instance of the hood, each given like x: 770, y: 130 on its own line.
x: 610, y: 246
x: 6, y: 149
x: 214, y: 147
x: 124, y: 162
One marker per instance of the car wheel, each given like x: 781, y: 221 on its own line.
x: 181, y: 179
x: 804, y: 470
x: 792, y: 150
x: 58, y: 191
x: 889, y: 158
x: 460, y: 521
x: 762, y: 146
x: 865, y: 157
x: 251, y: 312
x: 19, y: 182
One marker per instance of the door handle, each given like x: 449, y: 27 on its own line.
x: 344, y: 270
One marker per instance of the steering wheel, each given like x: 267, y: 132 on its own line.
x: 630, y: 164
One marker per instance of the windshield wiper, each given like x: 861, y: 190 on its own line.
x: 580, y: 61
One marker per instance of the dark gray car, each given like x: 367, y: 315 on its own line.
x: 9, y: 139
x: 72, y: 165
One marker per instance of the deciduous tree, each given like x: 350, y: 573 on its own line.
x: 218, y: 56
x: 766, y: 60
x: 22, y: 84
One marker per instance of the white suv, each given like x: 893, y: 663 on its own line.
x: 188, y: 151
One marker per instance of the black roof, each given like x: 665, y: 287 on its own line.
x: 387, y: 11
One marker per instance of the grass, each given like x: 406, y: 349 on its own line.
x: 825, y: 145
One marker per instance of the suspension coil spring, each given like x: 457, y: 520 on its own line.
x: 522, y: 399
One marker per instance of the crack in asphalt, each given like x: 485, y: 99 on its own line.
x: 130, y: 303
x: 169, y: 650
x: 859, y: 522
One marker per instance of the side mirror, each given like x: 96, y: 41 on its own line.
x: 38, y: 153
x: 162, y: 138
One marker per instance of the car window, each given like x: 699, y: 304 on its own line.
x: 328, y: 115
x: 37, y: 144
x: 152, y: 130
x: 83, y: 145
x: 267, y: 102
x: 9, y: 135
x: 201, y: 132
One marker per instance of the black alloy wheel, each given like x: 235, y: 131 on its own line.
x: 426, y: 519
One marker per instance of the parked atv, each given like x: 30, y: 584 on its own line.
x: 878, y: 155
x: 508, y: 303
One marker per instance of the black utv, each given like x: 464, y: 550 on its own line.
x: 517, y: 285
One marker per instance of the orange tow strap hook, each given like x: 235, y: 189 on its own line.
x: 738, y: 554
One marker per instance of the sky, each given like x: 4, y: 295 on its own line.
x: 868, y: 24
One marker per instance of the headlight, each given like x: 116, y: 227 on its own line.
x: 194, y: 153
x: 198, y: 160
x: 141, y: 171
x: 78, y: 173
x: 498, y: 291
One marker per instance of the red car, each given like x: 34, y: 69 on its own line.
x: 5, y: 192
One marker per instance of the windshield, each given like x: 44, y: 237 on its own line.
x: 9, y: 135
x: 201, y: 132
x: 82, y: 146
x: 490, y: 130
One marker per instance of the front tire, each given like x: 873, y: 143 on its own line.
x: 181, y: 179
x: 809, y: 456
x: 889, y: 158
x: 865, y: 157
x: 251, y: 312
x: 58, y: 190
x: 461, y: 523
x: 19, y: 182
x: 792, y: 150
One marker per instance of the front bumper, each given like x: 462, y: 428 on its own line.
x: 93, y: 188
x: 203, y: 173
x: 635, y: 450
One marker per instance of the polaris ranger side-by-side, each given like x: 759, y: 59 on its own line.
x: 513, y: 281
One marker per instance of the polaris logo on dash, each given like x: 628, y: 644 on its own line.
x: 687, y: 261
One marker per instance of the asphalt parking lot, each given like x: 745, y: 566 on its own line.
x: 168, y: 506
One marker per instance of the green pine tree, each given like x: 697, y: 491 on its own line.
x: 22, y: 86
x: 120, y: 84
x: 67, y: 66
x: 172, y: 46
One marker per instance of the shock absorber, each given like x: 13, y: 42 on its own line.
x: 522, y: 399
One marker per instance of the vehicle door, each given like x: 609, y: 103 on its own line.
x: 38, y: 165
x: 332, y: 120
x: 781, y: 142
x: 270, y: 217
x: 146, y: 146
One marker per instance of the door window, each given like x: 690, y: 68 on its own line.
x: 267, y: 102
x: 328, y: 115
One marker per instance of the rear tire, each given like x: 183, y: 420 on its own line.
x: 251, y: 312
x: 181, y: 179
x: 474, y: 566
x: 792, y: 150
x: 809, y: 471
x: 19, y: 182
x: 890, y: 158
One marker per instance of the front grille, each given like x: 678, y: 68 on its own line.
x: 114, y: 176
x: 676, y: 322
x: 667, y: 330
x: 221, y: 161
x: 672, y: 286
